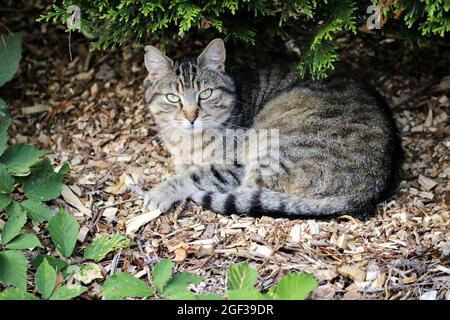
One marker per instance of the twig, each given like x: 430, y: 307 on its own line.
x: 118, y: 203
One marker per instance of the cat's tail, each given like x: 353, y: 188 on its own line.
x: 260, y: 201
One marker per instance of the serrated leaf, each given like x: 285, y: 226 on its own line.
x: 56, y: 263
x: 245, y: 294
x: 176, y: 288
x: 208, y: 296
x: 13, y: 269
x: 68, y: 292
x: 24, y: 241
x: 296, y: 286
x: 100, y: 247
x: 5, y: 200
x: 5, y: 121
x: 88, y: 272
x: 37, y: 211
x: 45, y: 279
x: 16, y: 220
x: 18, y: 158
x: 16, y: 294
x: 121, y: 285
x: 10, y: 54
x: 43, y: 183
x: 241, y: 276
x: 6, y: 180
x: 162, y: 272
x: 63, y: 229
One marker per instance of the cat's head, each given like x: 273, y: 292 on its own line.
x: 189, y: 95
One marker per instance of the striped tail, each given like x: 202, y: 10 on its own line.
x: 265, y: 202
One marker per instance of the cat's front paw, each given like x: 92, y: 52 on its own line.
x: 156, y: 199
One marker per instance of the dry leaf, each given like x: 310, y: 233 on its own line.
x: 74, y: 201
x: 135, y: 223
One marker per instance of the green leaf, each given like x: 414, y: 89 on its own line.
x: 24, y: 241
x: 209, y: 296
x: 64, y: 170
x: 45, y: 279
x: 88, y: 272
x: 43, y: 183
x: 5, y: 122
x: 100, y: 247
x: 37, y: 211
x: 10, y: 54
x: 68, y: 292
x: 56, y: 263
x: 241, y: 276
x: 162, y: 273
x: 18, y: 158
x: 16, y: 294
x: 16, y: 220
x: 13, y: 269
x: 121, y: 285
x: 70, y: 270
x: 5, y: 200
x: 176, y: 287
x: 6, y: 180
x: 63, y: 229
x: 245, y: 294
x: 296, y: 286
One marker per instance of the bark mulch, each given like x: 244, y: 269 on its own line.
x: 89, y: 112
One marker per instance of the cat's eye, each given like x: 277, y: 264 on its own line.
x: 205, y: 94
x: 172, y: 98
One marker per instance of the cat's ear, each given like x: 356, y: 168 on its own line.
x: 213, y: 57
x: 156, y: 62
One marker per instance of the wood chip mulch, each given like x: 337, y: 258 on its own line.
x: 90, y: 113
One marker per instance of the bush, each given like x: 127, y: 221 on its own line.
x: 251, y: 22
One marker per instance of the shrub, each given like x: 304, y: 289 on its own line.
x: 253, y: 22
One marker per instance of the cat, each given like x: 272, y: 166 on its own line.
x: 338, y: 147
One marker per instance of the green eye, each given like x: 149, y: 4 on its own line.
x: 206, y: 94
x: 172, y: 98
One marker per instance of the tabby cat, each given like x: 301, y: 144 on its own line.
x: 338, y: 150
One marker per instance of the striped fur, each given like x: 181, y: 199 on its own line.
x: 339, y: 150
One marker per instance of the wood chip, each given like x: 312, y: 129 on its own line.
x: 180, y: 255
x: 295, y: 233
x: 82, y: 234
x: 352, y: 272
x: 426, y: 182
x: 352, y: 293
x: 110, y: 214
x: 38, y: 108
x: 74, y: 201
x: 135, y: 223
x: 259, y: 250
x: 430, y: 295
x: 314, y: 227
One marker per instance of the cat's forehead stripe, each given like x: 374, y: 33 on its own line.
x: 186, y: 72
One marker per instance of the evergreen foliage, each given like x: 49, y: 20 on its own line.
x: 251, y: 22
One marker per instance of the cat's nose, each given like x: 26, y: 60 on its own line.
x: 191, y: 115
x: 191, y: 119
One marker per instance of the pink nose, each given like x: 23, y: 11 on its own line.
x: 191, y: 119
